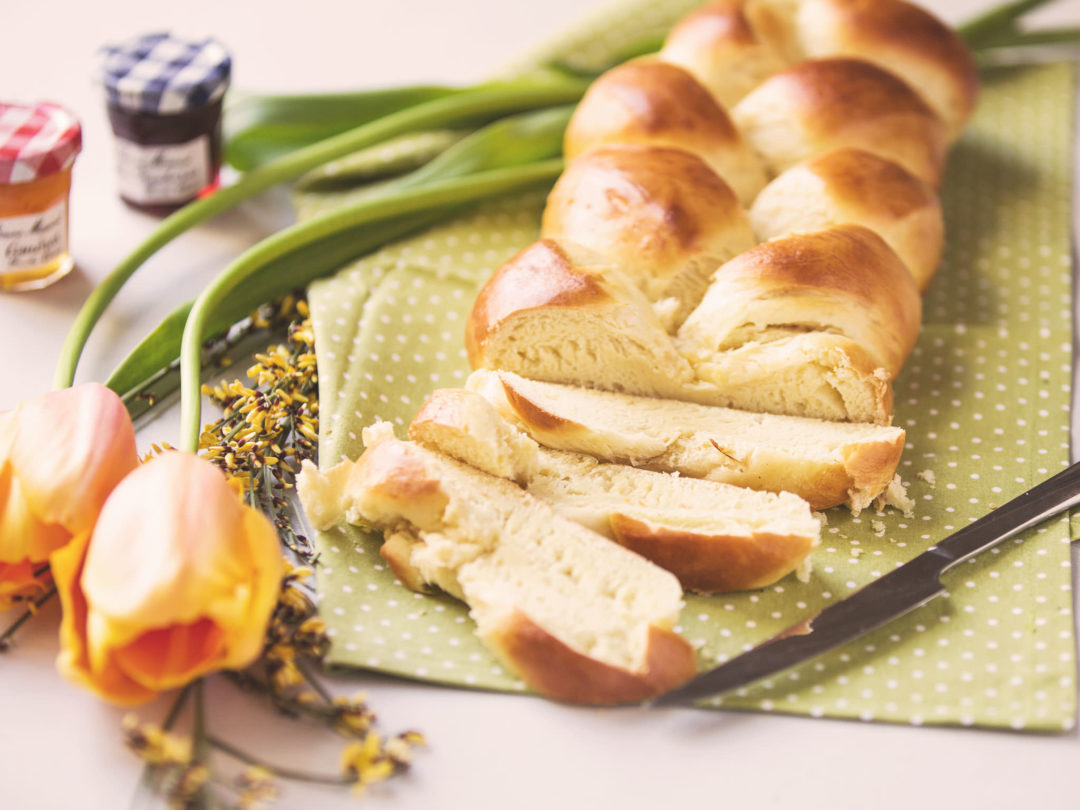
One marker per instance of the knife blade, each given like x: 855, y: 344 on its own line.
x: 898, y: 592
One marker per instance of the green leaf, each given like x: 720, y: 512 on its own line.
x: 250, y: 265
x: 161, y: 348
x: 261, y: 128
x: 483, y: 103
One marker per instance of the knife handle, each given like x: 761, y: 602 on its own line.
x: 1039, y: 503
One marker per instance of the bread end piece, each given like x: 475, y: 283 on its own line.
x: 713, y: 536
x: 554, y: 669
x: 715, y: 563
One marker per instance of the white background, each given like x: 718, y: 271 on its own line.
x: 60, y: 748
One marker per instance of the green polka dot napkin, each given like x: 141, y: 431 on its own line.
x: 984, y: 399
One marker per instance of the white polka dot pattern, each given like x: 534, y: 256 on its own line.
x: 984, y: 398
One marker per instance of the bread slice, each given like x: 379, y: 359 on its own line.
x: 714, y: 537
x: 546, y: 317
x: 577, y: 617
x: 826, y: 463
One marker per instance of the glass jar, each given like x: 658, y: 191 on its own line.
x: 164, y: 97
x: 38, y: 146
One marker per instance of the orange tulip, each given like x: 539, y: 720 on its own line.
x: 178, y: 579
x: 61, y: 454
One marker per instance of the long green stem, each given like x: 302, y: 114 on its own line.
x: 483, y: 103
x: 995, y: 20
x: 449, y: 192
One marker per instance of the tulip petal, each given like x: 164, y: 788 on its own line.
x: 69, y: 448
x: 180, y: 578
x: 264, y: 550
x: 169, y: 657
x: 108, y: 681
x: 22, y: 535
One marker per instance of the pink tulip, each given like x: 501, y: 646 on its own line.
x: 178, y: 578
x: 61, y: 454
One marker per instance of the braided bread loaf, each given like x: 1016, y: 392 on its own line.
x: 641, y: 284
x: 726, y: 284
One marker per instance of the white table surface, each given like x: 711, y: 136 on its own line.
x: 61, y: 748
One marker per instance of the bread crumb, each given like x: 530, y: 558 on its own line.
x: 822, y: 518
x: 879, y: 527
x: 895, y: 495
x: 927, y: 476
x: 805, y: 569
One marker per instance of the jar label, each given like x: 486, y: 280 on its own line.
x: 163, y: 174
x: 32, y: 241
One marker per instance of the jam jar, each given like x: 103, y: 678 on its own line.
x: 38, y: 146
x: 164, y: 97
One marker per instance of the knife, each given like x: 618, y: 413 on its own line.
x: 902, y: 590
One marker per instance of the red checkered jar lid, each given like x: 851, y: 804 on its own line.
x: 36, y: 141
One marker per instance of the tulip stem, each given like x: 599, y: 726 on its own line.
x: 5, y: 637
x: 481, y: 103
x: 441, y: 194
x: 277, y: 770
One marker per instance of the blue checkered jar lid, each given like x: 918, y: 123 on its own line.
x: 160, y: 73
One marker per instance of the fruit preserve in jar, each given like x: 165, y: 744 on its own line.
x: 164, y: 97
x: 38, y: 146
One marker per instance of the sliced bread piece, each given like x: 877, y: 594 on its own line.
x: 714, y: 537
x: 827, y: 463
x: 576, y: 616
x: 545, y: 316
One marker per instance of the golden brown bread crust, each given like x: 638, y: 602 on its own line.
x: 724, y: 49
x: 553, y: 669
x: 396, y: 549
x: 441, y: 409
x: 539, y: 276
x: 832, y: 103
x: 843, y: 279
x: 868, y: 190
x: 390, y: 470
x: 541, y: 316
x: 714, y: 563
x: 870, y: 467
x: 533, y: 416
x: 904, y: 39
x: 718, y: 22
x: 659, y: 214
x: 654, y: 103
